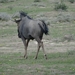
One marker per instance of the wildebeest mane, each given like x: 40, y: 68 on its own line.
x: 24, y: 14
x: 45, y: 27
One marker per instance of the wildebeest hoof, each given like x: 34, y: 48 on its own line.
x: 25, y: 57
x: 45, y: 56
x: 35, y: 58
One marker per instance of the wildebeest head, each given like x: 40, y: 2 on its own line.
x: 18, y: 21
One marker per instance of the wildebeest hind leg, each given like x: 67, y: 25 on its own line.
x: 37, y: 50
x: 40, y: 43
x: 38, y: 40
x: 43, y: 50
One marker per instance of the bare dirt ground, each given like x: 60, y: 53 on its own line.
x: 14, y: 44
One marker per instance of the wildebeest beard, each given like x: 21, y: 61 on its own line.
x: 19, y: 33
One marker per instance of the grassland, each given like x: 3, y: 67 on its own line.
x: 57, y: 64
x: 61, y: 54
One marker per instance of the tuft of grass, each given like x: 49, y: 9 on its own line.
x: 61, y: 6
x: 36, y: 0
x: 71, y: 1
x: 4, y: 16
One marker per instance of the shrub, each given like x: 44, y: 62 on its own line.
x: 62, y: 17
x: 61, y: 6
x: 4, y: 16
x: 65, y: 17
x: 68, y: 38
x: 71, y: 1
x: 36, y: 0
x: 3, y: 1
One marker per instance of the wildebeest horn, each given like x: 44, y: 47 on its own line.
x: 14, y: 20
x: 17, y: 20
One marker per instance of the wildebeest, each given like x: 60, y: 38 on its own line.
x: 29, y: 29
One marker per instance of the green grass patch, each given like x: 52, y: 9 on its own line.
x: 56, y: 64
x: 7, y: 30
x: 59, y: 30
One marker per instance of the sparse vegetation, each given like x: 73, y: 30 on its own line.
x: 6, y: 1
x: 68, y: 38
x: 4, y: 16
x: 3, y: 1
x: 37, y: 0
x: 59, y: 44
x: 60, y: 6
x: 65, y: 17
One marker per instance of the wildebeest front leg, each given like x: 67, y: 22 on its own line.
x: 39, y: 45
x: 25, y: 45
x: 25, y: 56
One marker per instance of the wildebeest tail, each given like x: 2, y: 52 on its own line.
x: 44, y: 27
